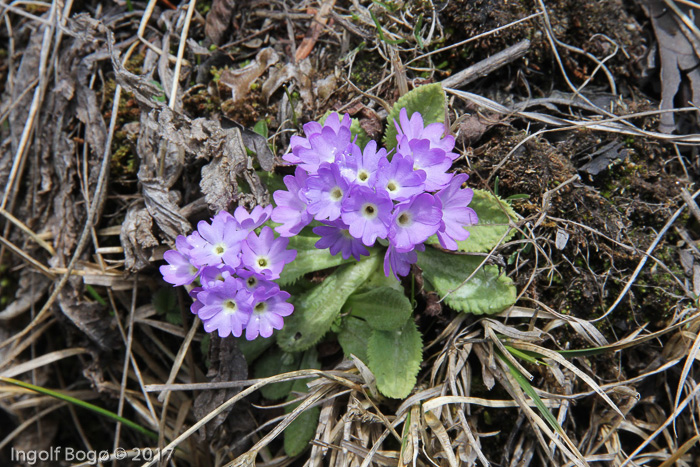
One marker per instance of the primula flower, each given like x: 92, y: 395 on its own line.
x: 269, y: 305
x: 412, y: 222
x: 325, y: 192
x: 333, y: 140
x: 337, y: 238
x: 212, y: 276
x: 399, y: 264
x: 399, y: 179
x: 217, y: 242
x: 298, y: 143
x: 250, y: 221
x: 234, y: 266
x: 367, y: 213
x: 252, y: 279
x: 266, y: 255
x: 226, y: 308
x: 196, y: 304
x: 291, y: 210
x: 413, y: 129
x: 455, y: 213
x: 360, y: 167
x: 179, y: 271
x: 433, y: 161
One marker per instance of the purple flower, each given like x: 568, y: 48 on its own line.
x: 269, y: 307
x: 299, y: 142
x: 399, y: 264
x: 257, y: 217
x: 399, y: 179
x: 360, y: 166
x: 226, y: 308
x: 336, y: 237
x: 412, y: 222
x: 325, y: 192
x: 455, y: 213
x: 196, y: 304
x: 266, y: 255
x: 333, y: 140
x: 433, y: 161
x: 367, y: 213
x: 216, y: 242
x: 179, y: 270
x: 252, y: 279
x: 291, y: 209
x: 213, y: 276
x: 413, y: 128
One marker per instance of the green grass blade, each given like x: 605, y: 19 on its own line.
x: 530, y: 391
x: 86, y: 405
x: 530, y: 357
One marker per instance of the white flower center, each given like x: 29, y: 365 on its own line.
x: 230, y: 307
x: 363, y: 175
x: 219, y: 249
x: 392, y: 186
x: 261, y: 307
x: 404, y: 219
x: 369, y: 211
x: 336, y: 194
x: 262, y: 262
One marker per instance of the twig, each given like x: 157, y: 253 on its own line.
x: 319, y: 22
x: 23, y: 227
x: 22, y: 254
x: 692, y: 205
x: 474, y: 38
x: 546, y: 198
x: 142, y: 28
x: 181, y: 53
x: 486, y: 66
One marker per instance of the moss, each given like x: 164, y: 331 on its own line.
x: 367, y: 70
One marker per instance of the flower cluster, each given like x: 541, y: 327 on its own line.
x: 235, y: 267
x: 361, y: 195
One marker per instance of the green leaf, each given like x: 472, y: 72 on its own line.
x: 165, y: 300
x: 261, y: 128
x: 379, y: 279
x: 357, y: 130
x: 383, y: 308
x: 487, y: 292
x: 429, y: 100
x: 354, y: 337
x: 394, y: 358
x: 298, y: 434
x: 272, y: 181
x: 494, y: 215
x: 251, y: 350
x: 309, y: 259
x: 274, y: 363
x: 315, y: 311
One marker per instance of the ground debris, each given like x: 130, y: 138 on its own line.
x: 227, y: 364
